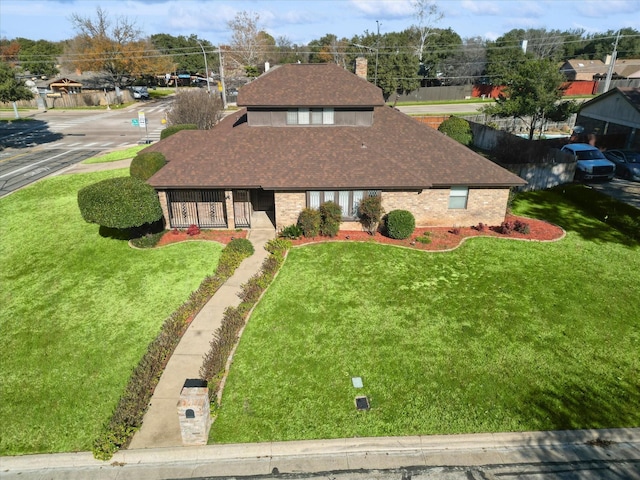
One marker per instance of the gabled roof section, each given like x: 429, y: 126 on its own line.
x: 309, y: 85
x: 630, y: 94
x: 585, y: 66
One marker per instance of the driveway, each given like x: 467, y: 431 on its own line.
x: 623, y: 190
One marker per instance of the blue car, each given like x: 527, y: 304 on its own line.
x: 627, y: 163
x: 591, y: 164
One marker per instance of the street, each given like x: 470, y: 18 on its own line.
x: 53, y: 140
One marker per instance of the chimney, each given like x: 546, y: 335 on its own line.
x: 361, y: 67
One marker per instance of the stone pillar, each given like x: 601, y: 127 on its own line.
x: 194, y: 412
x: 231, y: 220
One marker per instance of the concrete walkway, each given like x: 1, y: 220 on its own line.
x: 160, y: 426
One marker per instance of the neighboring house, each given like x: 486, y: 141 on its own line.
x: 310, y: 133
x: 64, y: 85
x: 615, y: 113
x: 577, y: 69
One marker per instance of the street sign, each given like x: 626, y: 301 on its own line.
x: 142, y: 120
x: 134, y: 122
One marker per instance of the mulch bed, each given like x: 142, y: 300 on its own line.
x: 221, y: 236
x: 444, y: 238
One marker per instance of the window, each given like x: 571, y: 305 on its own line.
x: 347, y: 199
x: 313, y: 116
x: 458, y: 197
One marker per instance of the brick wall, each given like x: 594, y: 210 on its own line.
x: 288, y: 207
x: 431, y: 207
x: 162, y: 196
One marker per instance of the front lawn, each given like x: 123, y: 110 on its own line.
x: 498, y: 335
x: 77, y: 312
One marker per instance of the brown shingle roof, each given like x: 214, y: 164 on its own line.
x: 395, y: 153
x: 309, y: 85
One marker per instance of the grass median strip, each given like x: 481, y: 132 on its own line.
x: 77, y: 311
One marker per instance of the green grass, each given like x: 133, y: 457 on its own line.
x: 77, y: 312
x: 117, y: 155
x: 495, y: 336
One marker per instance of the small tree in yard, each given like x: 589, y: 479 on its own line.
x: 12, y: 90
x: 195, y: 106
x: 122, y: 203
x: 533, y: 93
x: 370, y: 212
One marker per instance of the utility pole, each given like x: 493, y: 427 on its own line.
x: 607, y: 83
x: 375, y: 77
x: 224, y: 89
x: 206, y: 67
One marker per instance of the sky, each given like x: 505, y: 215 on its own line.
x: 304, y: 20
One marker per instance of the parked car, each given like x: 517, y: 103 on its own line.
x: 591, y: 164
x: 140, y: 92
x: 627, y: 163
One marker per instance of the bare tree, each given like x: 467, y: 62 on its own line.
x: 115, y: 48
x: 247, y: 42
x: 427, y: 14
x: 195, y: 106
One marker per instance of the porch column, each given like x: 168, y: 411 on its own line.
x: 162, y: 196
x: 228, y: 199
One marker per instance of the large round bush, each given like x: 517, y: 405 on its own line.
x: 458, y: 129
x: 121, y: 202
x: 145, y: 164
x: 309, y: 222
x: 331, y: 214
x: 400, y: 224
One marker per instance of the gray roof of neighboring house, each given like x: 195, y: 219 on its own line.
x: 396, y: 152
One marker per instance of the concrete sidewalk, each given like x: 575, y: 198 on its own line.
x: 612, y: 449
x: 160, y: 426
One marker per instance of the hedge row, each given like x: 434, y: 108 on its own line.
x: 234, y: 318
x: 127, y: 416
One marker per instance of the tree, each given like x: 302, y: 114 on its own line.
x: 185, y: 52
x: 397, y: 73
x: 427, y: 15
x: 248, y: 43
x: 329, y: 49
x: 195, y: 106
x: 468, y: 62
x: 115, y: 48
x: 39, y: 57
x: 12, y: 90
x: 533, y: 93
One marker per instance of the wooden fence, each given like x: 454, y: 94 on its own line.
x: 74, y: 100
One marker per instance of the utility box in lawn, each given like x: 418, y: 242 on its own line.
x: 194, y: 412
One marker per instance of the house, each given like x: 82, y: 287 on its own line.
x: 616, y: 114
x: 310, y: 133
x: 577, y: 69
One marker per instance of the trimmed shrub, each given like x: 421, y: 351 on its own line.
x: 331, y: 214
x: 425, y: 238
x: 370, y: 212
x: 458, y: 129
x: 167, y: 132
x: 145, y: 164
x: 242, y: 246
x: 292, y: 231
x: 400, y: 224
x: 521, y: 227
x: 121, y: 202
x: 309, y: 222
x: 277, y: 246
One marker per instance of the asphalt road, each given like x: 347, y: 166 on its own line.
x: 53, y: 140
